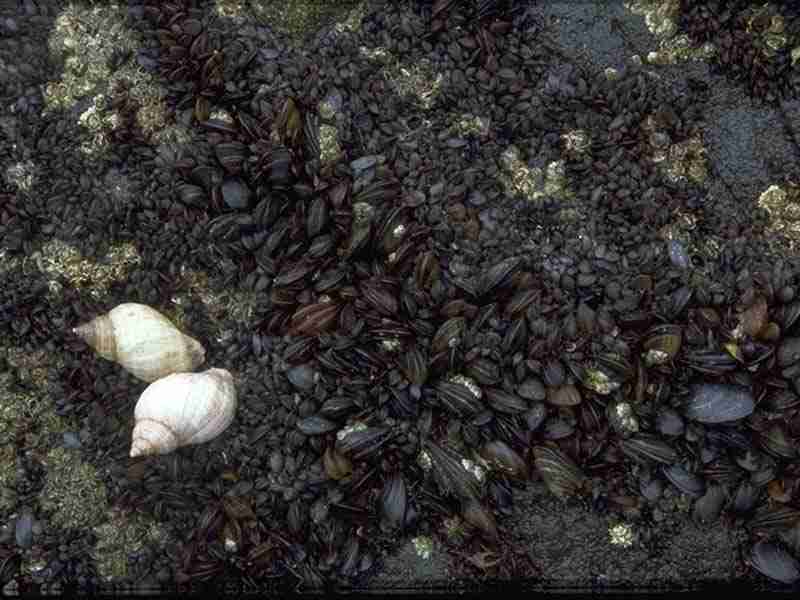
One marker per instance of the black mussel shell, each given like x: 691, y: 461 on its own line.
x: 231, y: 155
x: 317, y: 218
x: 688, y: 483
x: 772, y: 560
x: 316, y: 425
x: 303, y: 376
x: 556, y: 428
x: 360, y: 443
x: 520, y: 302
x: 498, y: 275
x: 789, y: 315
x: 644, y: 447
x: 501, y: 495
x: 192, y: 195
x: 669, y: 422
x: 516, y: 336
x: 414, y: 365
x: 773, y: 519
x: 459, y: 398
x: 662, y: 344
x: 380, y: 192
x: 554, y: 373
x: 719, y: 403
x: 480, y: 517
x: 505, y: 402
x: 451, y: 475
x: 448, y: 336
x: 427, y: 270
x: 337, y: 466
x: 380, y: 297
x: 338, y: 407
x: 314, y: 318
x: 503, y: 458
x: 560, y: 473
x: 484, y: 371
x: 532, y: 389
x: 707, y: 508
x: 351, y: 557
x: 535, y: 416
x: 564, y: 395
x: 394, y: 501
x: 788, y: 352
x: 777, y: 442
x: 236, y: 193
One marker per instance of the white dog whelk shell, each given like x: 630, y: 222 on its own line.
x: 181, y: 410
x: 143, y: 341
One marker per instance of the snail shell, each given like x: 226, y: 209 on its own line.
x: 143, y: 341
x: 183, y: 409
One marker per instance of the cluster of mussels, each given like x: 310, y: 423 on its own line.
x: 754, y: 43
x: 401, y: 393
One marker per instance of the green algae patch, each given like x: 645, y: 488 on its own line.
x: 297, y: 20
x: 122, y: 535
x: 73, y: 492
x: 27, y: 411
x: 59, y: 259
x: 7, y: 478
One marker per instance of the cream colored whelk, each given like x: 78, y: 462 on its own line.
x: 143, y: 341
x: 183, y: 409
